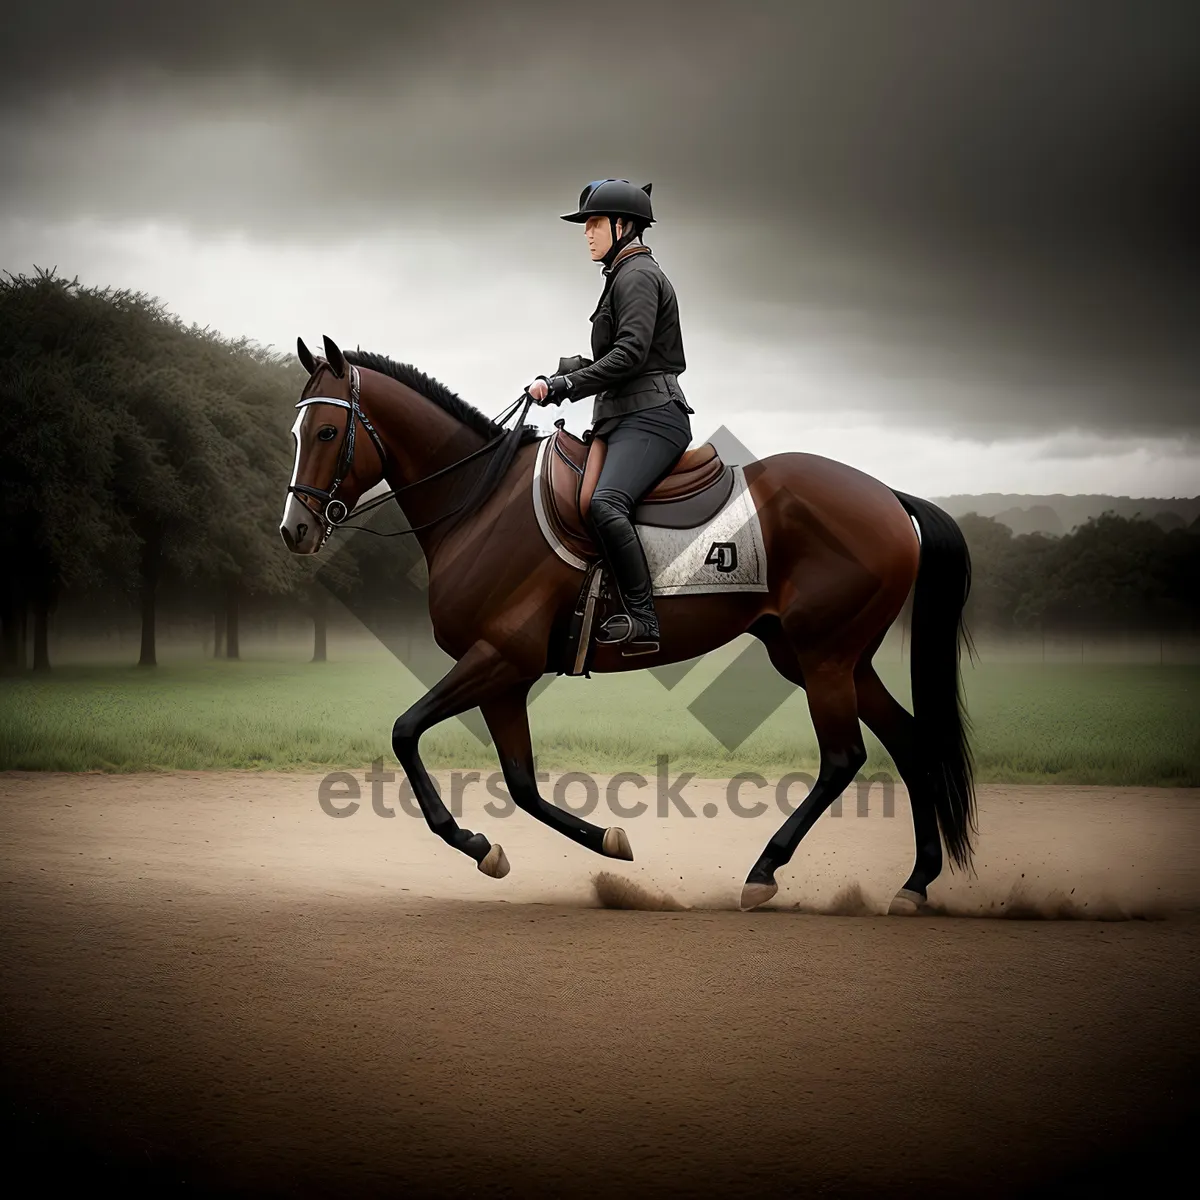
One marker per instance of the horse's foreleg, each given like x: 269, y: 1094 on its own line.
x: 508, y: 719
x: 833, y: 705
x: 480, y: 673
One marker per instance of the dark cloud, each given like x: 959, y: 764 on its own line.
x: 1004, y: 189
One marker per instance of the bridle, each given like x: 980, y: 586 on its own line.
x: 335, y: 511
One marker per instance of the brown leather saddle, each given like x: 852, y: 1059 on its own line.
x: 695, y: 491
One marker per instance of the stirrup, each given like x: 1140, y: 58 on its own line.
x: 623, y: 630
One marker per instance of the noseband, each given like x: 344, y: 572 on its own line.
x: 335, y: 511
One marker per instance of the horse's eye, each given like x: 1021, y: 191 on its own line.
x: 327, y: 433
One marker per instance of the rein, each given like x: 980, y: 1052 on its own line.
x: 336, y: 513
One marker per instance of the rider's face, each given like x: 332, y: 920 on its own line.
x: 599, y: 235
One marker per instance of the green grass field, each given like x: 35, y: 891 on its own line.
x: 1082, y: 723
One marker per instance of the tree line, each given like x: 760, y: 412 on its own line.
x: 136, y: 451
x: 1111, y: 574
x: 144, y: 457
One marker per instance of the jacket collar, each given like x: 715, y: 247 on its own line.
x: 629, y: 251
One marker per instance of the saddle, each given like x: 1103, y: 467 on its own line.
x: 696, y: 489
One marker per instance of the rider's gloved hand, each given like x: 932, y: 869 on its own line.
x: 552, y: 390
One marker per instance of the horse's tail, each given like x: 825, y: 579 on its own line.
x: 938, y: 634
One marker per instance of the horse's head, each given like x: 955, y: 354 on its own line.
x: 335, y: 464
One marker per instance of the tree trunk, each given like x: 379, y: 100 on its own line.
x: 41, y: 632
x: 231, y: 619
x: 218, y: 627
x: 12, y: 644
x: 320, y: 623
x: 151, y: 558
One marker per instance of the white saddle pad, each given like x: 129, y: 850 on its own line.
x: 723, y: 555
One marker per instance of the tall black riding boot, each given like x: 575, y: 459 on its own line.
x: 637, y: 627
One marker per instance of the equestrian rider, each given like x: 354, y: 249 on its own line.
x: 639, y: 410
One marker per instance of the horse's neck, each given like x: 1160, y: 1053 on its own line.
x: 420, y: 438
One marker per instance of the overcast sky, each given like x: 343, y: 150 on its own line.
x: 953, y: 244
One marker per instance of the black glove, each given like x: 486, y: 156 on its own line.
x: 559, y: 389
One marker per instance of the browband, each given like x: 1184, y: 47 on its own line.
x: 326, y: 400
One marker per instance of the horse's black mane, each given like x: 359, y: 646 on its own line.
x: 439, y: 393
x: 493, y: 466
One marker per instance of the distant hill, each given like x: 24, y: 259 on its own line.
x: 1059, y: 514
x: 1040, y: 518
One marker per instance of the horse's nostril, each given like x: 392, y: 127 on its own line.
x: 301, y: 530
x: 286, y: 534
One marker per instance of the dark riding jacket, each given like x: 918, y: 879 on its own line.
x: 637, y: 346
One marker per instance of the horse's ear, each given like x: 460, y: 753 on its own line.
x: 305, y: 355
x: 335, y: 358
x: 646, y: 188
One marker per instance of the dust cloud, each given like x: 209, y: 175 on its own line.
x: 615, y: 891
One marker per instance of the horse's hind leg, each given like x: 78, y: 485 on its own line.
x: 897, y: 730
x: 508, y: 719
x: 833, y: 703
x: 480, y: 673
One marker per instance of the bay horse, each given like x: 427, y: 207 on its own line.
x: 843, y: 553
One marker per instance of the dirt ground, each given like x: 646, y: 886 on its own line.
x: 209, y: 985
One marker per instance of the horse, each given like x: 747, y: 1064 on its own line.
x: 843, y: 554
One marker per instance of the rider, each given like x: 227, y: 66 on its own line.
x: 639, y: 409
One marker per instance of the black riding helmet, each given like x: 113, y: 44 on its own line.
x: 613, y: 198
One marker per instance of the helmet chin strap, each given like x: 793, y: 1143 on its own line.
x: 618, y: 246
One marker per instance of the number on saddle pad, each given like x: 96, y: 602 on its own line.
x: 723, y: 556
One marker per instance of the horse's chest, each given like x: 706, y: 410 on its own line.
x: 454, y: 605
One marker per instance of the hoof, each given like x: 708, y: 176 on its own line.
x: 754, y: 894
x: 495, y: 863
x: 906, y: 903
x: 616, y: 844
